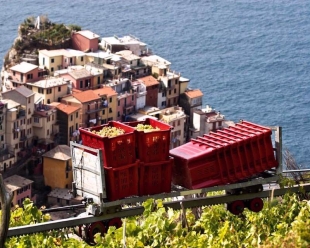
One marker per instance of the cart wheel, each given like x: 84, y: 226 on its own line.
x: 93, y: 228
x: 117, y: 222
x: 256, y: 204
x: 236, y: 207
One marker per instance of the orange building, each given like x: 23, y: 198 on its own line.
x: 57, y: 167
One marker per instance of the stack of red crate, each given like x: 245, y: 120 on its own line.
x: 119, y: 159
x: 226, y: 156
x: 153, y: 153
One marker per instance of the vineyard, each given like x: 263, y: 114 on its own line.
x: 284, y: 222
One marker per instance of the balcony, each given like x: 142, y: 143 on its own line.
x: 23, y: 138
x: 97, y: 108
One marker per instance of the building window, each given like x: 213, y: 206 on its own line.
x: 49, y: 91
x: 118, y: 114
x: 118, y: 103
x: 48, y: 132
x: 82, y: 58
x: 81, y: 84
x: 132, y: 97
x: 110, y: 99
x: 29, y: 76
x: 163, y: 103
x: 59, y: 89
x: 14, y: 73
x: 29, y: 100
x: 169, y: 92
x: 52, y: 60
x: 67, y: 175
x: 36, y: 120
x: 110, y: 110
x: 179, y: 122
x: 41, y: 90
x: 175, y: 90
x: 76, y: 114
x: 163, y: 94
x: 52, y: 69
x: 71, y: 117
x: 103, y: 112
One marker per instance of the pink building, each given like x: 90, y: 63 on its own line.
x: 126, y: 105
x: 81, y: 78
x: 25, y: 72
x: 85, y: 41
x: 20, y: 187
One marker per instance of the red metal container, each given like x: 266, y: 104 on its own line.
x: 226, y: 156
x: 122, y: 182
x: 117, y: 151
x: 152, y: 146
x: 155, y: 177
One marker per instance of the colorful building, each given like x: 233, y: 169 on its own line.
x: 85, y: 41
x: 57, y: 167
x: 20, y: 187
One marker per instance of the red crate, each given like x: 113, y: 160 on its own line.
x: 196, y: 166
x: 122, y: 182
x: 152, y: 146
x: 117, y: 151
x: 155, y: 177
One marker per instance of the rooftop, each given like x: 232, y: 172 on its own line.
x: 16, y: 182
x: 106, y: 90
x: 86, y: 96
x: 24, y: 67
x: 60, y: 152
x: 24, y: 91
x: 149, y: 81
x: 68, y: 109
x: 128, y: 55
x: 81, y: 73
x: 50, y: 82
x: 194, y: 93
x: 88, y: 34
x: 156, y: 60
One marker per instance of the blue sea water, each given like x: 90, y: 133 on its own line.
x: 249, y: 57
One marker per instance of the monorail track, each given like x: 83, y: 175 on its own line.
x: 138, y: 210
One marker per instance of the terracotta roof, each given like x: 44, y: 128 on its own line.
x: 149, y: 81
x: 107, y: 90
x: 86, y: 96
x: 194, y: 93
x: 68, y: 109
x: 60, y: 152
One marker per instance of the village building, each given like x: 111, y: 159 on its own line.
x: 85, y: 41
x: 57, y: 167
x: 20, y: 187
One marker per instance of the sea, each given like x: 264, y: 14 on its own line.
x: 250, y: 58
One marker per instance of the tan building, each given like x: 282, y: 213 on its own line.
x: 19, y: 131
x: 44, y: 122
x: 91, y: 106
x: 109, y: 104
x: 20, y: 187
x: 6, y: 158
x: 69, y: 119
x: 51, y: 88
x: 57, y: 167
x: 58, y: 59
x: 175, y: 117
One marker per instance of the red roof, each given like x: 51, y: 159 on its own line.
x: 194, y: 93
x: 149, y: 81
x: 105, y: 91
x: 68, y: 109
x: 86, y: 96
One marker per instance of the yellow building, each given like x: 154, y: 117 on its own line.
x: 109, y: 99
x: 50, y: 89
x: 58, y: 59
x: 57, y: 167
x: 19, y: 131
x: 44, y: 122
